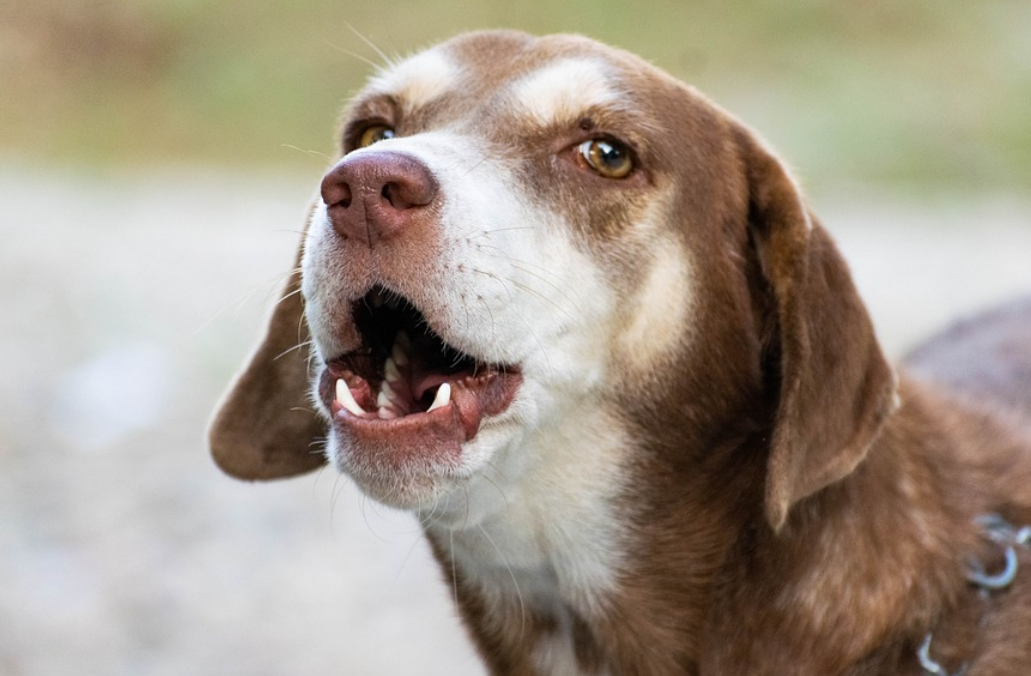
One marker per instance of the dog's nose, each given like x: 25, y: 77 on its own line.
x: 373, y: 196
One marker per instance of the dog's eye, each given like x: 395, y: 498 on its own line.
x: 608, y: 157
x: 374, y: 134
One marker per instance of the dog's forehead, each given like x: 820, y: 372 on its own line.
x: 417, y: 80
x: 542, y: 80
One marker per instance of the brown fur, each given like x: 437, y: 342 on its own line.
x: 796, y: 507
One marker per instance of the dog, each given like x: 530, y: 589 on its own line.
x: 582, y: 322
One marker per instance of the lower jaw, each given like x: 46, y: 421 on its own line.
x: 412, y: 461
x: 417, y: 443
x: 409, y: 486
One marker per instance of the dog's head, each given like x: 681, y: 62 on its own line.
x: 521, y: 230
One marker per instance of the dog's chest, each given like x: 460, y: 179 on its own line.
x: 542, y: 585
x: 534, y: 553
x: 543, y: 553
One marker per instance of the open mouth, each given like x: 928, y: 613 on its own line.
x: 404, y: 389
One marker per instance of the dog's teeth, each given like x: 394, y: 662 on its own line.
x: 383, y: 399
x: 391, y: 371
x: 400, y: 351
x: 442, y: 399
x: 385, y: 413
x: 346, y: 399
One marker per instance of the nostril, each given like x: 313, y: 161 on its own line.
x: 394, y: 194
x: 336, y: 191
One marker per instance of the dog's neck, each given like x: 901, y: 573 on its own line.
x: 539, y: 520
x: 548, y: 550
x: 536, y: 546
x: 567, y: 561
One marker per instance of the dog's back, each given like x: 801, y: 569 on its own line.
x: 985, y: 359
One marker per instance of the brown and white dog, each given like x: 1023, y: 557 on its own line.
x: 581, y: 322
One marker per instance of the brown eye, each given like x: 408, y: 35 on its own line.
x: 609, y: 158
x: 374, y: 134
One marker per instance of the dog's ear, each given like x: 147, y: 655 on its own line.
x: 835, y: 387
x: 265, y: 428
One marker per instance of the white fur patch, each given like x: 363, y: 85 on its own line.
x: 661, y: 309
x: 544, y: 509
x: 418, y: 80
x: 564, y: 90
x: 536, y: 531
x: 555, y: 655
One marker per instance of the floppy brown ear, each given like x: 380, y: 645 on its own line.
x: 836, y: 388
x: 265, y: 428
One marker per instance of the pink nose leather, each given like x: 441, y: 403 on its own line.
x: 373, y: 196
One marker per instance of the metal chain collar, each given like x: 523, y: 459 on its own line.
x: 1003, y: 533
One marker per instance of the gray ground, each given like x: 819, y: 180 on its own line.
x: 125, y: 305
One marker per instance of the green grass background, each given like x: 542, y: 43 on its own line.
x: 906, y: 94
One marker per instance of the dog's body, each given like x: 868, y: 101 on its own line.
x: 630, y: 389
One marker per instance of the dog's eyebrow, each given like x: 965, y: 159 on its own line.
x: 561, y: 91
x: 374, y: 106
x: 418, y: 80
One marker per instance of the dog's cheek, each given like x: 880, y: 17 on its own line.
x: 651, y: 273
x: 655, y: 324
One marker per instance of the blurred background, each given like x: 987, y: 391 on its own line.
x: 156, y: 157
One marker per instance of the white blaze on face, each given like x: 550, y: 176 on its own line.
x: 418, y: 80
x: 564, y: 90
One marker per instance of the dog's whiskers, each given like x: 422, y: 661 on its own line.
x: 278, y: 279
x: 310, y: 153
x: 530, y: 291
x: 518, y: 315
x: 515, y: 582
x: 454, y: 566
x: 334, y: 495
x: 504, y: 255
x: 504, y: 497
x: 236, y: 305
x: 487, y: 233
x: 354, y: 55
x: 387, y: 61
x: 427, y: 520
x: 299, y: 346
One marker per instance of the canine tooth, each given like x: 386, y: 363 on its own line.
x: 443, y: 397
x: 346, y: 399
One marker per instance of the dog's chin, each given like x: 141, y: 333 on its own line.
x: 413, y: 478
x: 411, y: 490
